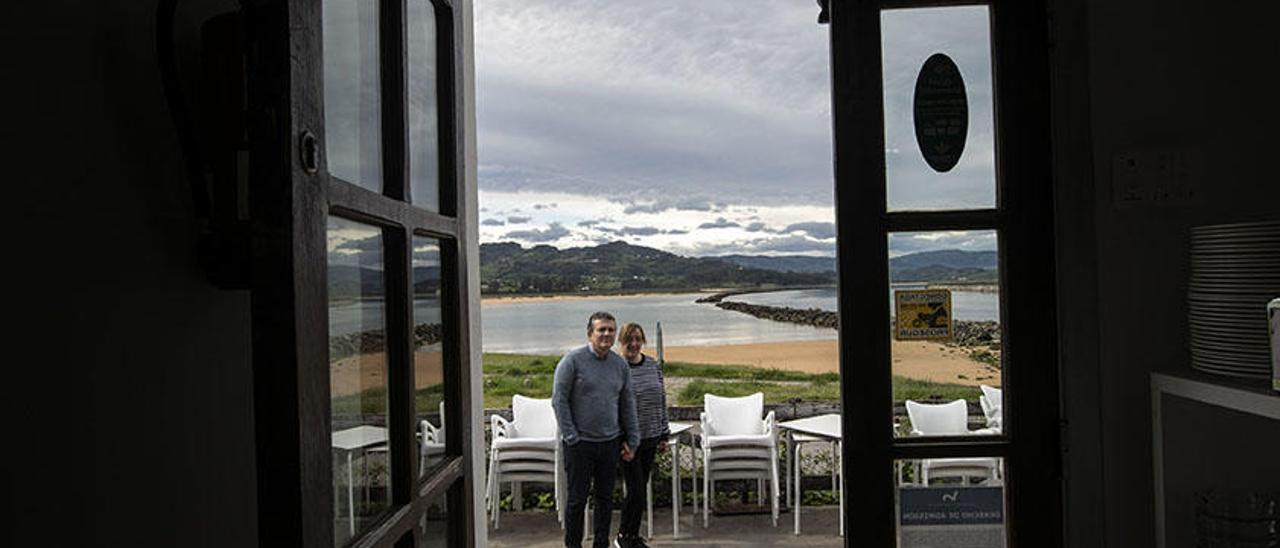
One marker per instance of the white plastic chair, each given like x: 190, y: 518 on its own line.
x: 947, y: 419
x: 736, y: 444
x: 527, y: 448
x: 992, y: 401
x: 431, y: 438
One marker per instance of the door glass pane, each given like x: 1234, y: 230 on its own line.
x: 958, y: 503
x: 352, y: 105
x: 428, y: 353
x: 433, y: 530
x: 946, y: 109
x: 424, y: 138
x: 357, y: 376
x: 945, y: 312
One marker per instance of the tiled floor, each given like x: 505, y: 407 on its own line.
x: 820, y: 526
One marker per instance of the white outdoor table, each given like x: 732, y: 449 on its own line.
x: 826, y: 427
x: 349, y: 441
x: 677, y: 429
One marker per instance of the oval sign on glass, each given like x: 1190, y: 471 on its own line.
x: 941, y: 111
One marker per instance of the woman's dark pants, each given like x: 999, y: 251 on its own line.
x: 636, y: 474
x: 588, y: 462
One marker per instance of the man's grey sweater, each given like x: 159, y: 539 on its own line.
x: 593, y: 398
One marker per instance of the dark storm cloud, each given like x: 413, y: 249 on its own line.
x: 821, y: 231
x: 518, y: 219
x: 553, y: 232
x: 665, y: 204
x: 492, y: 222
x: 720, y: 222
x: 631, y: 230
x: 779, y: 245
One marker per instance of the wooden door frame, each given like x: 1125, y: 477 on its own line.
x: 1023, y: 219
x: 290, y: 204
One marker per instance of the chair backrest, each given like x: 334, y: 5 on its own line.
x: 734, y: 416
x: 939, y: 419
x: 532, y: 417
x: 432, y: 433
x: 995, y: 396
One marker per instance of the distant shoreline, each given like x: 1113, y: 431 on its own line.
x: 512, y: 298
x: 713, y: 294
x: 555, y: 297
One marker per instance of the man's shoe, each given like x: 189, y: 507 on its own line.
x: 629, y: 542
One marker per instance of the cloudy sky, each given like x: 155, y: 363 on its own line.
x: 700, y: 128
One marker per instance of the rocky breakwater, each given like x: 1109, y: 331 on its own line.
x: 981, y: 338
x: 374, y: 340
x: 967, y: 333
x: 811, y: 316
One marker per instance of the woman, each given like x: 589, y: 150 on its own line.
x: 651, y: 406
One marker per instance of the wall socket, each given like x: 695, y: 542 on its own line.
x: 1156, y: 177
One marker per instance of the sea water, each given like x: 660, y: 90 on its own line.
x: 552, y: 326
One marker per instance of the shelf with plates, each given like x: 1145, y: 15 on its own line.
x: 1249, y: 396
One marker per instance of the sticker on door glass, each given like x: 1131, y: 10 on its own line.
x: 922, y: 314
x: 957, y: 516
x: 941, y: 110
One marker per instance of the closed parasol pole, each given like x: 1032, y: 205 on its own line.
x: 660, y: 360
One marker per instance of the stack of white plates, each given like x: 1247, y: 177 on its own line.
x: 1235, y: 271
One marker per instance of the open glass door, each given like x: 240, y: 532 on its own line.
x: 360, y: 277
x: 941, y: 134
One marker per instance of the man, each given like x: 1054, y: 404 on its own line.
x: 596, y: 409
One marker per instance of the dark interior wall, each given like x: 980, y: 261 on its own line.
x: 133, y: 392
x: 1189, y: 75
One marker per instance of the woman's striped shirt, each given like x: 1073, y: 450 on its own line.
x: 651, y: 397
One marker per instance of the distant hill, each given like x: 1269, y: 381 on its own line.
x: 953, y: 258
x: 348, y: 282
x: 783, y: 263
x: 618, y: 266
x: 947, y: 265
x: 508, y: 267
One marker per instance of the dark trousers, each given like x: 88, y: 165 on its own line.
x: 636, y: 474
x: 585, y: 463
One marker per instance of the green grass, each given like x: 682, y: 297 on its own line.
x: 374, y: 401
x: 506, y: 375
x: 531, y: 375
x: 914, y: 389
x: 692, y: 393
x: 742, y: 372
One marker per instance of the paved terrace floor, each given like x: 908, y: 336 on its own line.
x: 820, y: 526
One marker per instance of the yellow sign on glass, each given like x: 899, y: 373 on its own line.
x: 922, y: 314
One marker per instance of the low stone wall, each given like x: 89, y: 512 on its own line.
x: 374, y: 340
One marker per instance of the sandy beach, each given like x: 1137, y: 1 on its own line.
x: 355, y: 374
x: 915, y: 359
